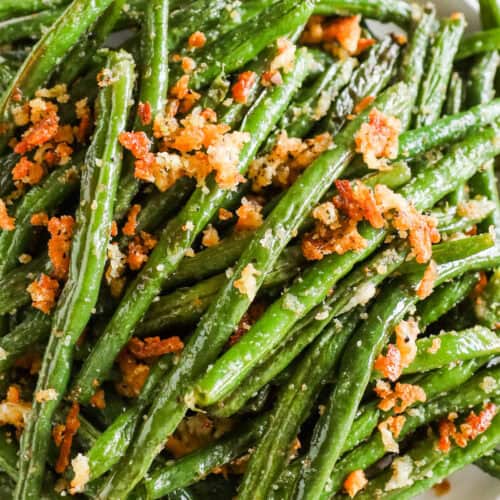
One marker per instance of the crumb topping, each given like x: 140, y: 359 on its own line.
x: 44, y: 293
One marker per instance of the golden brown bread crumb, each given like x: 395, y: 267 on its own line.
x: 43, y: 293
x: 355, y: 482
x: 378, y: 139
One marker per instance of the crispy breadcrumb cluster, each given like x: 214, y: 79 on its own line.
x: 45, y: 141
x: 7, y: 223
x: 249, y: 215
x: 210, y: 237
x: 342, y: 37
x: 399, y: 398
x: 131, y: 224
x: 402, y: 354
x: 378, y: 139
x: 288, y: 158
x: 13, y: 410
x: 134, y: 361
x: 194, y: 146
x: 355, y: 482
x: 61, y: 232
x: 151, y: 347
x: 390, y: 429
x: 63, y: 435
x: 396, y: 400
x: 336, y: 229
x: 243, y: 86
x: 139, y: 249
x: 197, y: 40
x: 470, y: 429
x: 43, y: 293
x: 247, y: 284
x: 282, y: 62
x: 426, y: 285
x: 44, y: 290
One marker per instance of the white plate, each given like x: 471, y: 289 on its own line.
x: 470, y: 483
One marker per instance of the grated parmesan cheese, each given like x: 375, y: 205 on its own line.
x: 46, y: 395
x: 80, y: 465
x: 402, y: 468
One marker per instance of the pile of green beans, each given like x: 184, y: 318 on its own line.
x: 275, y: 387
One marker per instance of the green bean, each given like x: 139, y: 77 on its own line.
x: 110, y: 446
x: 481, y: 82
x: 205, y: 344
x: 434, y: 384
x: 157, y: 207
x: 448, y: 129
x: 332, y: 428
x: 41, y: 62
x: 13, y: 286
x: 454, y: 103
x: 434, y: 466
x: 153, y: 87
x: 218, y: 20
x: 94, y: 217
x: 178, y: 235
x: 478, y: 43
x: 292, y: 407
x: 480, y: 89
x: 331, y: 431
x: 445, y: 298
x: 355, y: 290
x: 7, y: 485
x: 456, y: 93
x: 481, y: 261
x: 30, y: 26
x: 283, y: 221
x: 6, y: 75
x: 6, y: 182
x: 454, y: 346
x: 189, y: 469
x: 390, y: 11
x: 309, y: 105
x: 490, y: 13
x: 44, y: 197
x: 490, y: 463
x: 77, y: 61
x: 454, y: 250
x: 186, y: 306
x: 459, y: 219
x: 23, y: 337
x: 432, y: 93
x: 230, y: 112
x: 462, y: 398
x: 8, y: 456
x: 11, y: 8
x: 234, y: 49
x: 424, y: 190
x: 209, y: 261
x: 368, y: 79
x: 216, y: 92
x: 487, y: 305
x: 485, y: 184
x: 414, y: 56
